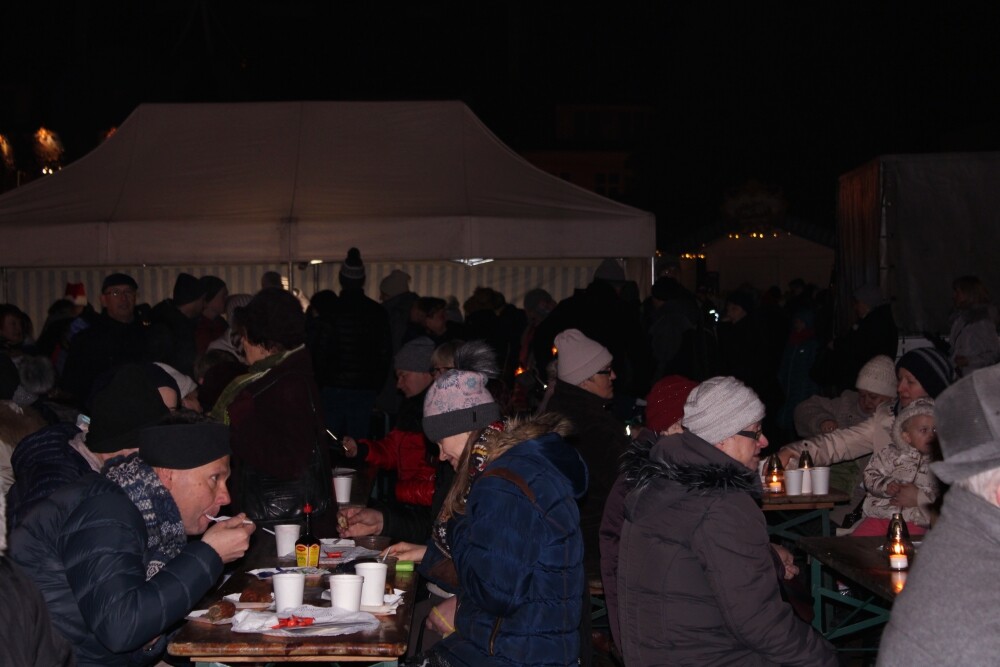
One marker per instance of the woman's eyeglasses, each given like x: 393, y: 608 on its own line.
x: 753, y: 435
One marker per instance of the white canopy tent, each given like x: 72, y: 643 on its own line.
x: 289, y: 182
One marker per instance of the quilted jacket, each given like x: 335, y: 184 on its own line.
x: 42, y: 462
x: 84, y: 548
x: 519, y: 556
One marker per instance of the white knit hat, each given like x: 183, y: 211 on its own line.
x: 878, y: 376
x: 921, y: 406
x: 721, y: 407
x: 579, y: 357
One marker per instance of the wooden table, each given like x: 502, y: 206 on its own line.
x: 808, y: 507
x: 857, y: 560
x: 217, y: 643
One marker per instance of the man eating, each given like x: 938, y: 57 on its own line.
x: 110, y: 551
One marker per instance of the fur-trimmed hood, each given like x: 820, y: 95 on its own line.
x: 536, y: 431
x: 692, y: 463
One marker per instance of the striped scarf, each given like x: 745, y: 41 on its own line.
x: 164, y: 528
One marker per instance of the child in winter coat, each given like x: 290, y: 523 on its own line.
x: 898, y: 478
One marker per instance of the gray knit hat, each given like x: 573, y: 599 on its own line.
x: 396, y: 283
x: 415, y: 356
x: 921, y: 406
x: 458, y: 402
x: 967, y: 419
x: 878, y: 376
x: 579, y: 356
x: 721, y: 407
x: 353, y: 269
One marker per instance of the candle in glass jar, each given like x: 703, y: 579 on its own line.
x: 774, y: 486
x: 897, y: 556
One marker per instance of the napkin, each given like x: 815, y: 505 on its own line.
x: 328, y: 621
x: 389, y: 603
x: 267, y: 572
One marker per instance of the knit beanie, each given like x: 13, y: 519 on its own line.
x: 183, y: 446
x: 211, y: 285
x: 76, y: 293
x: 610, y: 270
x: 931, y: 368
x: 352, y: 271
x: 967, y: 418
x: 665, y: 402
x: 721, y: 407
x: 129, y: 403
x: 187, y: 289
x: 921, y: 406
x: 878, y: 376
x: 415, y: 356
x: 578, y: 356
x: 458, y: 402
x: 118, y: 279
x: 394, y: 284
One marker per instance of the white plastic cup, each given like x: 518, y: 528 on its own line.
x: 821, y: 480
x: 285, y: 535
x: 345, y: 591
x: 342, y: 486
x: 288, y: 590
x: 793, y: 482
x: 373, y: 591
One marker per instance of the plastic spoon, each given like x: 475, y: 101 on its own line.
x: 223, y: 517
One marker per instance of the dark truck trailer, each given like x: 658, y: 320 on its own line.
x: 912, y: 224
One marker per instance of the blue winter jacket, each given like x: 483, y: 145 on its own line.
x: 42, y: 462
x: 519, y: 555
x: 84, y: 548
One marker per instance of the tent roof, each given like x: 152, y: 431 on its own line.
x: 294, y: 181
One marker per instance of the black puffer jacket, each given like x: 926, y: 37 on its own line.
x: 354, y: 348
x: 170, y: 337
x: 696, y: 579
x: 84, y: 548
x: 600, y: 439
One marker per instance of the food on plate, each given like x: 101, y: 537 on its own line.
x: 293, y: 622
x: 220, y: 610
x: 257, y: 591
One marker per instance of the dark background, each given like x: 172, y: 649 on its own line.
x: 791, y: 95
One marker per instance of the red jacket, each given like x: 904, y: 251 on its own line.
x: 404, y: 452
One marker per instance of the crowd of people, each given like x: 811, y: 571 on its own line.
x: 530, y: 455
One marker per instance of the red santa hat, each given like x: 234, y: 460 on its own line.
x: 76, y: 293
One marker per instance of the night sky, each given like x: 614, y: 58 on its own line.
x: 789, y: 94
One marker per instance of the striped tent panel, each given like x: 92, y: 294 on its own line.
x: 34, y: 290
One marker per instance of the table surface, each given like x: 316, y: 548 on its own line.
x: 856, y: 558
x: 217, y: 642
x: 806, y: 501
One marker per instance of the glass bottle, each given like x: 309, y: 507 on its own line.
x: 307, y: 547
x: 775, y: 477
x: 897, y: 538
x: 806, y: 464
